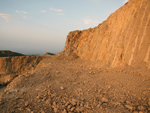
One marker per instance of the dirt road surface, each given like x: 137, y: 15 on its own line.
x: 68, y: 85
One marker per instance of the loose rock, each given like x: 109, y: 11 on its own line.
x: 26, y: 103
x: 128, y: 102
x: 65, y: 111
x: 130, y: 107
x: 62, y: 88
x: 73, y: 103
x: 141, y: 108
x: 72, y: 109
x: 69, y: 107
x: 56, y: 110
x: 135, y: 112
x: 104, y: 99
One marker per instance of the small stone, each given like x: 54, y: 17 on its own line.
x: 42, y: 111
x: 128, y: 102
x: 74, y: 100
x: 72, y: 109
x: 17, y: 98
x: 69, y: 107
x: 65, y: 111
x: 83, y: 99
x: 79, y: 109
x: 62, y: 88
x: 82, y: 109
x: 20, y: 109
x: 56, y: 110
x: 73, y: 103
x: 109, y: 87
x: 104, y: 104
x: 26, y: 103
x: 57, y: 72
x: 140, y: 112
x: 39, y: 97
x: 122, y: 101
x: 28, y: 109
x: 141, y: 108
x: 81, y: 104
x: 104, y: 99
x: 67, y: 103
x: 48, y: 103
x: 135, y: 112
x: 87, y: 106
x: 98, y: 105
x: 17, y: 90
x: 130, y: 107
x: 54, y: 105
x: 118, y: 104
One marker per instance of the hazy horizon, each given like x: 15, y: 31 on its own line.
x: 37, y: 27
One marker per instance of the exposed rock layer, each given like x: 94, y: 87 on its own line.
x: 10, y: 67
x: 122, y: 40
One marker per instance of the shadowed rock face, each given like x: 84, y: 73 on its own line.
x: 122, y: 40
x: 47, y: 53
x: 10, y: 67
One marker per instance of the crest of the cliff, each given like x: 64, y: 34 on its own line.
x: 122, y: 40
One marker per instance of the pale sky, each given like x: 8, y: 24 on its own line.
x: 39, y: 26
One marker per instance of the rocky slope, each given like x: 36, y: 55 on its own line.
x: 11, y: 67
x: 9, y: 53
x: 122, y: 40
x: 65, y: 85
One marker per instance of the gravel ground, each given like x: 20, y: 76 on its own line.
x: 68, y: 85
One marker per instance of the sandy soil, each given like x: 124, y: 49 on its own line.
x: 67, y: 85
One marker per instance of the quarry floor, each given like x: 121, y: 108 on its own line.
x: 67, y: 85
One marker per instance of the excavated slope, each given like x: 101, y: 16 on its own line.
x: 10, y: 67
x: 122, y: 40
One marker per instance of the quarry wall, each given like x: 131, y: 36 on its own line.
x: 122, y: 40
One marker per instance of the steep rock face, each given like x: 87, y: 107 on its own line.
x: 123, y: 39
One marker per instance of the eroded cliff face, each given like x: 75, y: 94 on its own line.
x: 122, y: 40
x: 10, y: 67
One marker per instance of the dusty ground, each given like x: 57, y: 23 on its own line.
x: 66, y: 85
